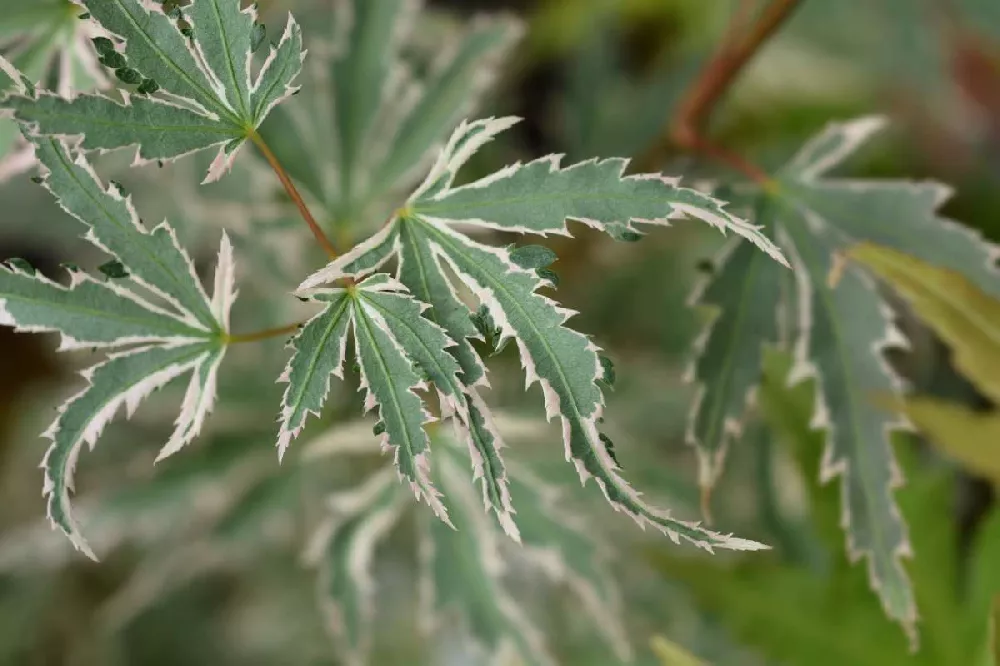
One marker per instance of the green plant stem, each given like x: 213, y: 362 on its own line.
x: 266, y: 334
x: 293, y: 192
x: 687, y: 127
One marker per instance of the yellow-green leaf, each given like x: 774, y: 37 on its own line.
x: 965, y: 317
x: 970, y: 438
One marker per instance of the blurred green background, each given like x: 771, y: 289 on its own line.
x: 591, y: 78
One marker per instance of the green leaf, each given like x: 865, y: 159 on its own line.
x: 541, y: 196
x: 390, y: 380
x: 124, y: 379
x: 207, y: 97
x: 844, y: 330
x: 154, y: 258
x: 387, y: 125
x: 897, y: 214
x: 427, y: 346
x: 970, y: 438
x: 88, y: 313
x: 462, y: 570
x: 461, y: 74
x: 564, y: 547
x: 188, y: 333
x: 344, y: 552
x: 745, y: 290
x: 564, y: 362
x: 965, y: 317
x: 320, y: 348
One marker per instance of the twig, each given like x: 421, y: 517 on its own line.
x: 687, y: 128
x: 286, y: 181
x: 262, y: 335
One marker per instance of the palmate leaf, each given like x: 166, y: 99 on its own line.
x: 194, y: 92
x: 152, y: 344
x: 395, y: 347
x: 566, y: 364
x: 48, y: 42
x: 463, y: 570
x: 387, y: 124
x: 842, y: 331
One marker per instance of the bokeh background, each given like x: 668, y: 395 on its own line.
x: 591, y: 78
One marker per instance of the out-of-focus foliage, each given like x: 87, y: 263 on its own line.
x: 203, y: 557
x: 817, y: 610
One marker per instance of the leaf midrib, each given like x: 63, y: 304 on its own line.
x: 229, y: 57
x: 97, y: 120
x: 314, y: 360
x: 731, y: 350
x: 102, y: 314
x: 442, y: 206
x: 392, y: 393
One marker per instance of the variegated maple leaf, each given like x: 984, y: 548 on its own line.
x: 150, y: 342
x: 462, y: 569
x: 400, y: 350
x: 842, y: 329
x: 366, y: 125
x: 190, y: 78
x: 47, y: 41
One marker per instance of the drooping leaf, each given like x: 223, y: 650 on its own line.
x: 187, y: 333
x: 541, y: 196
x: 844, y: 331
x: 463, y: 571
x: 566, y: 364
x: 972, y: 439
x: 745, y: 290
x: 386, y: 123
x: 843, y: 328
x: 345, y: 551
x: 205, y: 98
x: 964, y: 316
x: 154, y: 258
x: 390, y: 379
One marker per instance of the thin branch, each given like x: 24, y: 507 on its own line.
x: 262, y: 335
x: 293, y: 192
x: 687, y: 128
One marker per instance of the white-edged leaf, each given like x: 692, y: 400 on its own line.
x: 463, y: 572
x: 320, y: 348
x: 42, y: 41
x: 844, y: 331
x: 390, y: 381
x: 154, y: 258
x: 745, y: 292
x: 461, y: 74
x: 88, y: 313
x: 541, y: 196
x: 564, y: 362
x: 124, y: 379
x: 205, y: 99
x: 344, y: 550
